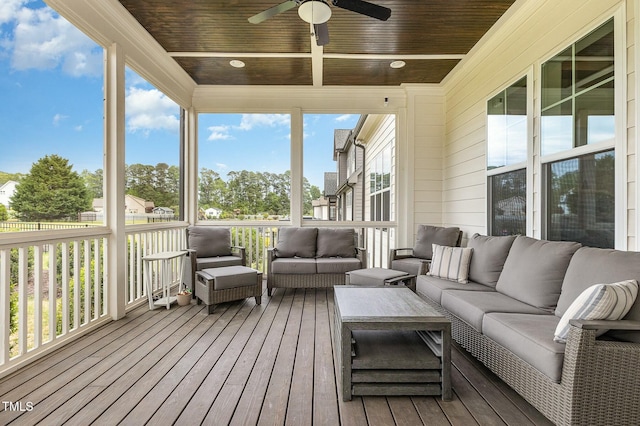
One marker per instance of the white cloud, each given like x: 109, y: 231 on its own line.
x: 42, y: 39
x: 343, y: 117
x: 222, y: 166
x: 219, y: 133
x: 149, y: 110
x: 78, y: 128
x: 58, y: 118
x: 249, y: 121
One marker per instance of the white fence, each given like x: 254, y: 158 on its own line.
x: 54, y: 285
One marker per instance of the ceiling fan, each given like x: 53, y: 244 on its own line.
x: 318, y: 12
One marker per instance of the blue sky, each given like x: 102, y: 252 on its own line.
x: 51, y: 93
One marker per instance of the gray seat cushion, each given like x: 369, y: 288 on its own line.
x: 373, y: 276
x: 209, y: 241
x: 534, y: 270
x: 230, y: 277
x: 591, y: 266
x: 410, y: 265
x: 336, y: 242
x: 300, y: 242
x: 217, y: 262
x: 432, y: 287
x: 530, y: 337
x: 293, y: 265
x: 471, y: 306
x: 428, y: 235
x: 337, y: 265
x: 489, y: 255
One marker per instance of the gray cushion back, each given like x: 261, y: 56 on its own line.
x: 429, y: 235
x: 534, y: 270
x: 300, y: 242
x: 209, y: 241
x: 336, y: 242
x: 489, y: 255
x: 591, y: 266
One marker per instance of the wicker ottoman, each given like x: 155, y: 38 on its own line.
x: 226, y: 284
x: 376, y: 277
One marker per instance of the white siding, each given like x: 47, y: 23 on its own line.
x: 533, y: 32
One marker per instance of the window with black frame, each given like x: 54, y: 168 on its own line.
x: 581, y: 196
x: 507, y: 136
x: 578, y: 111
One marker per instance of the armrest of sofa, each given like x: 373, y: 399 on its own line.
x: 240, y: 251
x: 610, y: 325
x: 189, y: 273
x: 361, y: 254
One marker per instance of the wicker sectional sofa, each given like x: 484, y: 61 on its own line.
x: 506, y: 316
x: 313, y: 257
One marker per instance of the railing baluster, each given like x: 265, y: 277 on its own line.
x: 96, y: 280
x: 23, y: 278
x: 65, y: 287
x: 53, y: 291
x: 37, y: 299
x: 76, y: 284
x: 5, y: 305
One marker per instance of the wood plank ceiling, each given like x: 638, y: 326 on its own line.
x: 203, y: 36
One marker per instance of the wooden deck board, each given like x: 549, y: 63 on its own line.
x: 245, y: 364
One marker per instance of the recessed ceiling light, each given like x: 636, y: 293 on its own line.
x: 397, y: 64
x: 236, y: 63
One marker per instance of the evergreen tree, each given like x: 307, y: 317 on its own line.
x: 51, y: 191
x: 4, y: 215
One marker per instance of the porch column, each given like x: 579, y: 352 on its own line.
x: 297, y: 198
x: 190, y: 185
x: 114, y: 182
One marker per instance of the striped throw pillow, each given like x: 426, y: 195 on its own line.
x: 451, y: 263
x: 599, y: 302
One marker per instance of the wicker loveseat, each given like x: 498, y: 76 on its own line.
x: 506, y: 316
x: 313, y: 257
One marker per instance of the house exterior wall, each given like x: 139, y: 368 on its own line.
x: 528, y: 35
x: 6, y: 192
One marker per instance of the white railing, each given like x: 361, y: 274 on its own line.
x: 54, y: 286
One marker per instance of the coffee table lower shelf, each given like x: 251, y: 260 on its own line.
x: 386, y: 362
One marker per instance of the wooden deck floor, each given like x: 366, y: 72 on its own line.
x: 244, y: 364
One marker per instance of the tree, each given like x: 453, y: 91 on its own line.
x: 50, y: 191
x: 94, y: 183
x: 4, y: 215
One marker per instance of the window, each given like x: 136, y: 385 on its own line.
x: 507, y: 126
x: 152, y: 153
x: 578, y: 93
x: 51, y: 120
x: 578, y: 101
x: 507, y: 142
x: 581, y: 195
x: 508, y: 203
x: 380, y: 186
x: 244, y: 165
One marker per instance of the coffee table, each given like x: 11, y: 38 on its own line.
x: 390, y: 342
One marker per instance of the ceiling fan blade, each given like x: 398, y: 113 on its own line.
x: 364, y: 8
x: 272, y: 11
x: 322, y: 33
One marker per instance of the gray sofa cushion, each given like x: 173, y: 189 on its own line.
x: 299, y: 242
x: 216, y: 262
x: 530, y: 337
x: 336, y: 242
x: 293, y: 265
x: 410, y: 265
x: 601, y: 266
x: 209, y: 241
x: 471, y: 306
x: 534, y: 270
x: 489, y: 255
x: 432, y: 287
x: 337, y: 265
x: 428, y: 235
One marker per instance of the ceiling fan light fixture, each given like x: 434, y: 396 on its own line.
x: 236, y: 63
x: 314, y: 11
x: 397, y: 64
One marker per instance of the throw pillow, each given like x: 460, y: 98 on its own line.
x: 336, y: 242
x: 428, y: 235
x: 296, y: 242
x: 599, y: 302
x: 451, y: 263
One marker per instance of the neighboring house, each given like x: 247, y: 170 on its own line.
x: 212, y: 213
x: 163, y: 211
x: 325, y: 207
x: 6, y: 192
x: 349, y: 156
x: 132, y: 205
